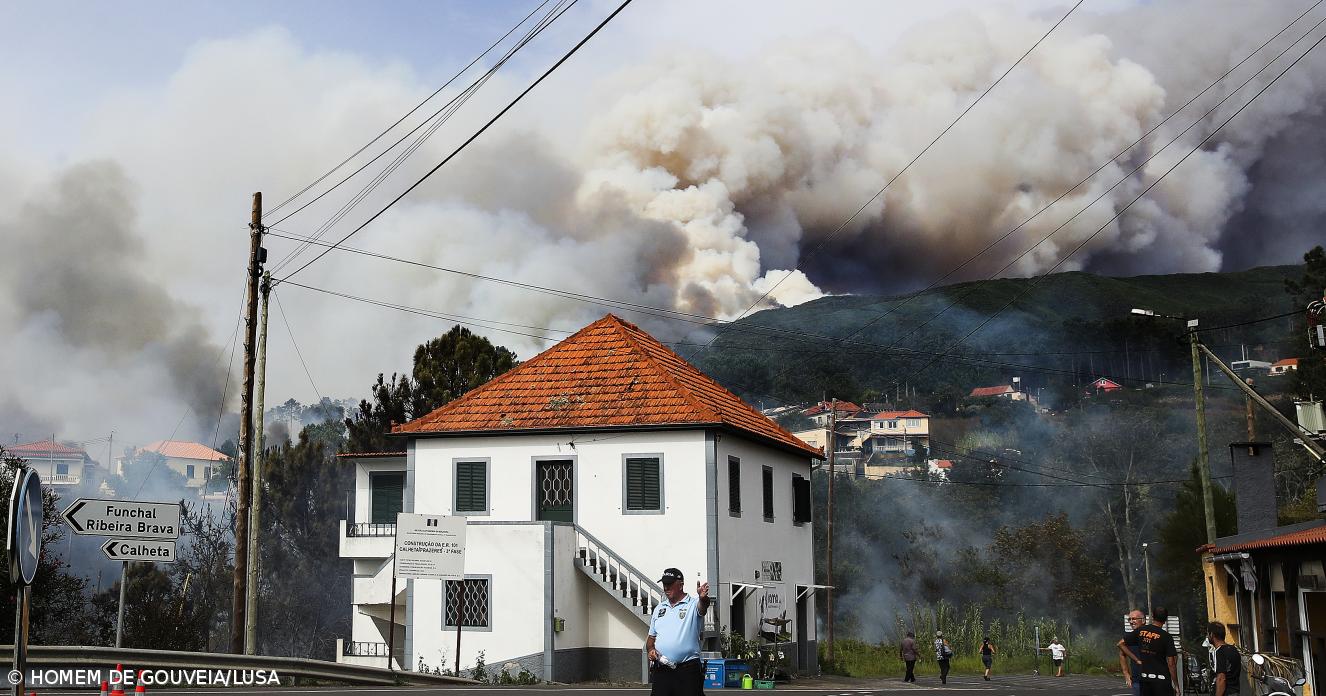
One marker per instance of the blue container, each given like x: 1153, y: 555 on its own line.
x: 735, y: 669
x: 715, y: 673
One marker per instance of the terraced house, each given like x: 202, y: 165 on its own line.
x: 583, y: 473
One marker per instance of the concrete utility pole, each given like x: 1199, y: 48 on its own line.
x: 1203, y: 461
x: 259, y: 454
x: 1146, y: 563
x: 243, y: 480
x: 831, y: 446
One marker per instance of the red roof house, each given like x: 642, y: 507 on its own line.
x: 1004, y: 391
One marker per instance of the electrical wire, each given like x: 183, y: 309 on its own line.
x: 467, y: 142
x: 295, y: 343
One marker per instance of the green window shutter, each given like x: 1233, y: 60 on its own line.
x: 388, y: 496
x: 734, y: 485
x: 471, y: 487
x: 643, y: 485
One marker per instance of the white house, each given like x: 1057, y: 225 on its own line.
x: 1283, y: 367
x: 57, y: 464
x: 194, y: 461
x: 899, y: 431
x: 585, y: 472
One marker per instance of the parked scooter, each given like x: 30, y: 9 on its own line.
x: 1273, y: 685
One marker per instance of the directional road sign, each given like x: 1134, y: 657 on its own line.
x: 139, y: 550
x: 124, y: 518
x: 24, y: 526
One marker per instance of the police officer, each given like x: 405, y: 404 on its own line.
x: 674, y: 638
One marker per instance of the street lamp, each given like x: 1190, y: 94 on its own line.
x: 1203, y: 462
x: 1146, y: 563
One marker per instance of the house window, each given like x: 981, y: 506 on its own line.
x: 207, y: 472
x: 474, y: 604
x: 61, y: 469
x: 768, y: 493
x: 800, y: 499
x: 471, y: 487
x: 891, y: 425
x: 642, y: 483
x: 188, y: 470
x: 734, y: 486
x: 913, y: 422
x: 387, y: 496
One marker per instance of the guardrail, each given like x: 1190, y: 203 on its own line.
x: 77, y: 656
x: 370, y: 529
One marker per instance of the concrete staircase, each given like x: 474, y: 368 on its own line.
x: 633, y: 589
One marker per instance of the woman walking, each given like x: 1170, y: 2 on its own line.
x: 943, y: 652
x: 988, y: 651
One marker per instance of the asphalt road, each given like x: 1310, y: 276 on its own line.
x: 1009, y: 685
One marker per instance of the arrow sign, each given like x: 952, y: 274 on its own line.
x: 124, y: 518
x: 139, y: 550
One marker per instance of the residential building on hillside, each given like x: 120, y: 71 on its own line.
x: 57, y: 464
x: 194, y: 461
x: 1004, y: 391
x: 898, y: 432
x: 1105, y: 384
x: 819, y: 413
x: 584, y: 473
x: 1283, y: 367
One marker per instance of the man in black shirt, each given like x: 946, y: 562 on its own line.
x: 1129, y: 663
x: 1228, y: 663
x: 1155, y: 647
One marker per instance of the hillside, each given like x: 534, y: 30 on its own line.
x: 1056, y: 333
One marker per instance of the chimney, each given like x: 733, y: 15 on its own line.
x: 1254, y: 486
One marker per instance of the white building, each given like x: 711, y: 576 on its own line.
x: 57, y: 464
x: 899, y: 431
x: 194, y: 461
x: 585, y: 472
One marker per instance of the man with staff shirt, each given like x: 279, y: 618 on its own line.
x: 674, y: 638
x: 1155, y: 651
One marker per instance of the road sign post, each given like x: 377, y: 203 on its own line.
x: 24, y: 547
x: 430, y: 547
x: 144, y: 531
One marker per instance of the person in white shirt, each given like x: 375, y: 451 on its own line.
x: 1057, y: 654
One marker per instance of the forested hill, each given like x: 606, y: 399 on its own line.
x: 1057, y: 333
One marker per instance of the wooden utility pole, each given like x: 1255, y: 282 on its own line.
x: 830, y: 445
x: 242, y: 476
x: 1203, y: 462
x: 259, y: 454
x: 1251, y: 415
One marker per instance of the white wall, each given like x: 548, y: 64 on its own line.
x: 363, y: 493
x: 748, y: 540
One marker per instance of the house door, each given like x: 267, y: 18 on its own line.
x: 554, y: 490
x: 737, y: 615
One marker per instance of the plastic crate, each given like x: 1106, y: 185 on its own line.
x: 735, y: 669
x: 715, y: 672
x: 764, y: 684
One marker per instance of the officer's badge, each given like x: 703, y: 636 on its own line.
x: 662, y: 611
x: 681, y: 614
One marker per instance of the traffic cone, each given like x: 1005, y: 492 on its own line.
x: 105, y: 689
x: 140, y: 690
x: 119, y: 681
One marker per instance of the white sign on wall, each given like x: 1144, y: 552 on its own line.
x: 430, y: 547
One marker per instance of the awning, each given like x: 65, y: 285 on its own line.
x: 807, y: 590
x: 743, y: 587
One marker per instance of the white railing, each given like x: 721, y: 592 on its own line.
x: 370, y: 529
x: 622, y: 577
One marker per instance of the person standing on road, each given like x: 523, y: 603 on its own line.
x: 988, y: 651
x: 1057, y: 654
x: 1155, y: 646
x: 674, y: 638
x: 1228, y: 663
x: 907, y: 651
x: 1129, y: 663
x: 943, y: 653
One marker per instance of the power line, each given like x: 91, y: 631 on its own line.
x: 469, y: 140
x: 434, y: 123
x: 837, y: 230
x: 295, y: 343
x: 1252, y: 321
x: 400, y: 120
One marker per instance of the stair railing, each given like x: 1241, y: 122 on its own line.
x: 625, y: 579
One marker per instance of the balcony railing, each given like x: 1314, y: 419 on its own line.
x: 356, y: 648
x: 63, y: 478
x: 370, y: 529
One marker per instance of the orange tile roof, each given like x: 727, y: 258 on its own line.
x: 369, y: 455
x: 179, y: 449
x: 890, y: 415
x: 824, y: 406
x: 1287, y: 362
x: 992, y: 391
x: 610, y: 374
x: 43, y: 448
x: 1301, y: 537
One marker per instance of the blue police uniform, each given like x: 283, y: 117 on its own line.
x: 676, y: 630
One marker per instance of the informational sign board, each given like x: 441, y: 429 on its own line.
x: 430, y: 547
x: 24, y: 526
x: 126, y: 519
x: 139, y: 550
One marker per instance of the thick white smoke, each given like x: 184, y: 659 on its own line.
x: 695, y: 179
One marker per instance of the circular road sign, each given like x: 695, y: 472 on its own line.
x: 24, y: 526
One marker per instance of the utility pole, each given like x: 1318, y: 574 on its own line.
x: 1251, y: 415
x: 831, y: 445
x: 1203, y: 462
x: 259, y: 454
x: 243, y: 479
x: 1146, y: 563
